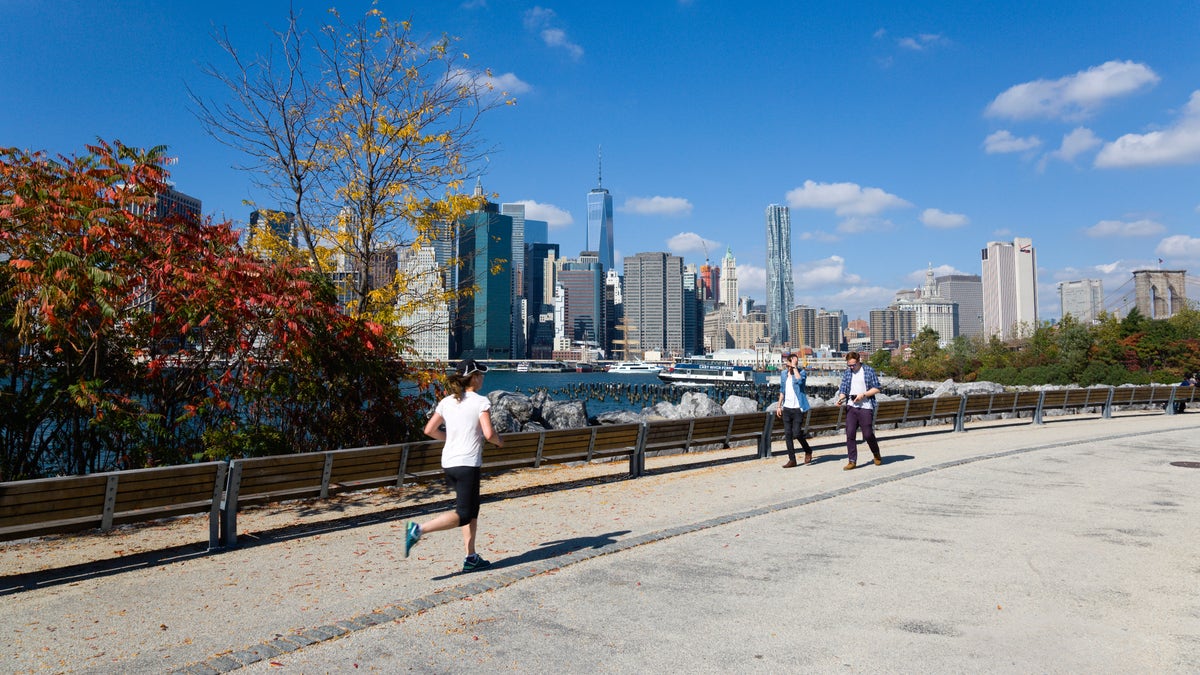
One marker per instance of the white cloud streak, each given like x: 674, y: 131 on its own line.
x: 1075, y: 96
x: 1120, y: 228
x: 1003, y: 141
x: 1178, y: 144
x: 846, y: 199
x: 544, y: 22
x: 942, y: 220
x: 1179, y: 247
x: 554, y: 216
x: 657, y: 206
x: 690, y: 242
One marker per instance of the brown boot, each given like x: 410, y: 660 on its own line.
x: 808, y: 458
x: 878, y: 460
x: 790, y: 464
x: 849, y: 465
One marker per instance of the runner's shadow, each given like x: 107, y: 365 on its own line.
x: 548, y: 550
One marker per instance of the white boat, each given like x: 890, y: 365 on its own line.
x: 634, y: 367
x: 707, y: 373
x: 523, y: 367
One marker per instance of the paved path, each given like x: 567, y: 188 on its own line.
x: 1065, y: 547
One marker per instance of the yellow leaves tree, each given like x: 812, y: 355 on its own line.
x: 367, y: 131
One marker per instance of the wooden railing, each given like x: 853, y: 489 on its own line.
x: 45, y: 506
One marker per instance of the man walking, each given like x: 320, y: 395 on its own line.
x: 859, y: 386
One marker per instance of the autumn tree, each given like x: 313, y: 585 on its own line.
x: 367, y: 130
x: 131, y: 338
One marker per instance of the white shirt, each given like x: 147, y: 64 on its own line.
x: 464, y: 435
x: 790, y: 400
x: 858, y: 385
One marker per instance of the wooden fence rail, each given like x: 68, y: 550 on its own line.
x: 51, y: 505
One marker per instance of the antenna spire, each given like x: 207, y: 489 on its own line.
x: 599, y: 166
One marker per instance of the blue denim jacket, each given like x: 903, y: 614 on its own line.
x: 798, y: 386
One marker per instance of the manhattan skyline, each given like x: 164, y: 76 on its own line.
x: 898, y: 138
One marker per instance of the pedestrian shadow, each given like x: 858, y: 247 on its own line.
x: 548, y: 550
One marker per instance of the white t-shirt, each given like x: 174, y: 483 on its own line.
x: 790, y: 400
x: 464, y: 435
x: 858, y: 385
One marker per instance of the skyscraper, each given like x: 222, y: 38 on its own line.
x: 933, y: 311
x: 653, y: 298
x: 967, y: 291
x: 1009, y: 288
x: 729, y: 281
x: 483, y: 327
x: 584, y: 319
x: 1082, y: 299
x: 780, y: 295
x: 427, y: 327
x: 600, y: 222
x: 802, y: 321
x: 540, y: 265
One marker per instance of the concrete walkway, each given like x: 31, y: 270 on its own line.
x: 1067, y: 547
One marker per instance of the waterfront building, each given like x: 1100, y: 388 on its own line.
x: 427, y: 326
x: 653, y: 296
x: 581, y: 291
x: 1160, y: 294
x: 829, y: 336
x: 967, y: 291
x: 747, y: 332
x: 1009, y: 288
x: 892, y: 327
x: 540, y: 269
x: 780, y: 295
x: 802, y: 325
x: 693, y: 311
x: 483, y: 325
x: 716, y: 328
x: 1082, y: 299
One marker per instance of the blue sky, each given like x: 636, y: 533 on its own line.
x: 902, y: 135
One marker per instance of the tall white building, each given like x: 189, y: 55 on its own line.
x: 780, y: 294
x: 1082, y: 299
x: 428, y: 326
x: 934, y: 311
x: 729, y: 282
x: 1009, y: 288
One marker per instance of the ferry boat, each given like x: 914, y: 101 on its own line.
x: 700, y: 374
x: 634, y: 367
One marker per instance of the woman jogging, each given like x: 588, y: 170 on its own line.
x: 467, y: 424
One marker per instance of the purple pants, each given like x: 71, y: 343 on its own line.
x: 857, y: 418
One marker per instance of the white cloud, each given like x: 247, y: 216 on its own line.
x: 920, y: 43
x: 543, y: 21
x: 486, y: 83
x: 829, y: 271
x: 1079, y: 141
x: 657, y: 206
x: 1108, y: 268
x: 818, y: 235
x: 1178, y: 144
x: 940, y: 219
x: 846, y: 199
x: 690, y: 242
x: 1003, y: 142
x: 554, y: 216
x: 1074, y: 96
x: 752, y: 280
x: 1179, y: 247
x: 1121, y: 228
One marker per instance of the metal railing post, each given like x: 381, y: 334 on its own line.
x: 1107, y: 414
x: 960, y: 422
x: 1037, y: 412
x: 764, y: 441
x: 229, y: 508
x: 637, y: 461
